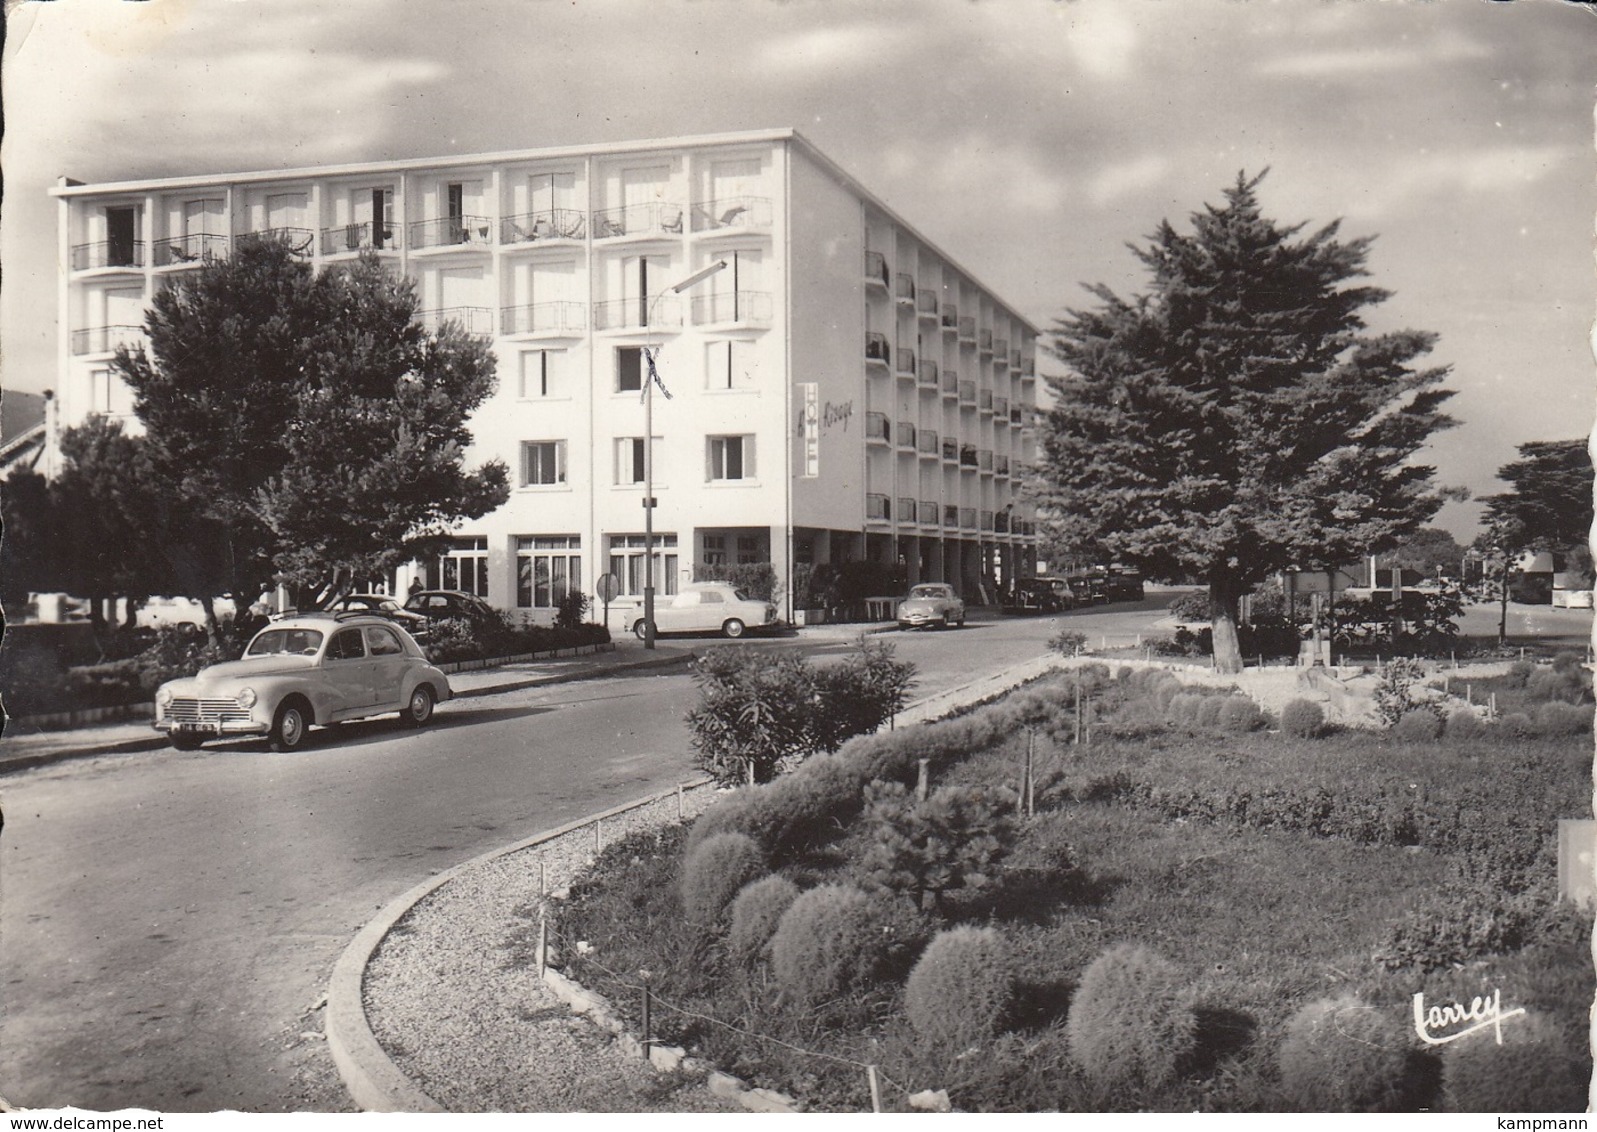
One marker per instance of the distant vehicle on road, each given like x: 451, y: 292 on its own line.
x: 1124, y: 584
x: 931, y: 603
x: 304, y: 670
x: 444, y: 605
x: 383, y: 606
x: 1041, y: 595
x: 710, y: 607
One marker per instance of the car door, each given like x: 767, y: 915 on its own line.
x: 347, y: 675
x: 680, y: 615
x: 389, y: 667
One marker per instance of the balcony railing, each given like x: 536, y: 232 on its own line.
x: 743, y: 308
x: 904, y: 287
x: 877, y: 428
x: 451, y: 231
x: 906, y: 361
x: 987, y: 520
x: 984, y: 341
x: 654, y: 218
x: 967, y: 328
x: 984, y: 459
x: 950, y: 450
x: 358, y: 237
x: 1001, y: 351
x: 984, y: 400
x: 1001, y: 465
x: 108, y: 253
x: 300, y: 241
x: 926, y: 304
x: 473, y: 320
x: 906, y: 509
x: 950, y: 318
x: 544, y: 318
x: 927, y: 441
x: 928, y: 374
x: 732, y: 213
x: 967, y: 518
x: 950, y: 383
x: 876, y: 348
x: 878, y: 507
x: 550, y: 224
x: 906, y: 434
x: 967, y: 455
x: 967, y: 392
x: 928, y: 512
x: 950, y: 514
x: 105, y: 339
x: 1001, y: 408
x: 195, y: 248
x: 622, y: 314
x: 876, y: 269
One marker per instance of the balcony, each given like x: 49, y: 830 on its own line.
x: 950, y: 383
x: 655, y: 218
x: 560, y: 318
x: 950, y: 450
x: 1015, y: 415
x: 1001, y: 351
x: 906, y: 435
x: 927, y: 441
x: 1001, y: 408
x: 906, y: 509
x: 967, y: 392
x: 950, y: 515
x: 735, y: 308
x: 986, y: 520
x: 984, y: 400
x: 906, y: 362
x: 451, y: 231
x: 105, y: 339
x: 928, y: 374
x: 732, y: 214
x: 540, y: 227
x: 300, y: 241
x: 1014, y: 358
x: 1029, y: 370
x: 1001, y: 522
x: 876, y: 348
x: 950, y: 316
x: 878, y: 508
x: 984, y: 341
x: 926, y: 305
x: 473, y: 320
x: 877, y: 430
x: 108, y: 253
x: 967, y: 455
x: 638, y: 313
x: 984, y: 460
x: 345, y: 238
x: 928, y: 512
x: 876, y: 269
x: 1001, y: 466
x: 904, y: 288
x: 967, y: 518
x: 967, y: 328
x: 196, y: 248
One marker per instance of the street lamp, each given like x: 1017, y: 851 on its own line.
x: 650, y: 380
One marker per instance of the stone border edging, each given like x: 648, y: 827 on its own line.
x: 374, y: 1082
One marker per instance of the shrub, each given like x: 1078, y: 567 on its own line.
x: 1418, y: 726
x: 1192, y: 606
x: 1341, y: 1055
x: 758, y: 580
x: 923, y: 849
x: 1130, y: 1022
x: 957, y: 994
x: 571, y: 608
x: 1068, y: 642
x: 713, y: 872
x: 1571, y: 685
x: 1532, y: 1071
x: 754, y: 710
x: 859, y: 693
x: 1303, y: 719
x: 755, y: 912
x: 1239, y: 715
x: 1518, y: 725
x: 1183, y: 709
x: 1395, y: 690
x: 1463, y: 725
x: 1519, y: 673
x: 1557, y: 718
x: 829, y: 946
x: 1208, y: 712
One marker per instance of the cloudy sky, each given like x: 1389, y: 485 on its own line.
x: 1030, y: 138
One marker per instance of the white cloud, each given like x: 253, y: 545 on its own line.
x: 1404, y: 55
x: 825, y: 48
x: 1115, y: 181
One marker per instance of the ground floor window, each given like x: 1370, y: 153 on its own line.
x: 464, y: 566
x: 548, y: 567
x: 626, y: 563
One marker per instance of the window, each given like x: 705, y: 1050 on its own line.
x: 629, y: 369
x: 731, y: 458
x: 543, y: 463
x: 464, y: 566
x: 537, y: 373
x: 731, y: 365
x: 286, y: 210
x: 630, y: 459
x: 715, y: 550
x: 626, y: 563
x: 749, y: 549
x: 548, y: 567
x: 381, y: 641
x: 346, y: 646
x: 121, y: 238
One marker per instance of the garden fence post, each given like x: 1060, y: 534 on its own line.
x: 679, y: 801
x: 647, y: 1028
x: 1469, y: 694
x: 1025, y: 793
x: 1494, y: 705
x: 923, y: 780
x: 598, y: 834
x: 876, y: 1088
x: 543, y: 877
x: 543, y: 943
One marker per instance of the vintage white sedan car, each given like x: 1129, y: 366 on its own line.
x: 710, y: 607
x: 931, y: 603
x: 307, y: 669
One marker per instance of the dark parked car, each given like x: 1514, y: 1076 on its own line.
x: 383, y: 606
x: 443, y: 605
x: 1041, y: 595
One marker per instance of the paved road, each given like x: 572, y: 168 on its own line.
x: 168, y: 920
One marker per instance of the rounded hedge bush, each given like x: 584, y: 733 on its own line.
x: 1462, y: 725
x: 1534, y: 1070
x: 1208, y: 711
x: 1130, y: 1022
x: 1517, y: 724
x: 1341, y: 1055
x: 1183, y: 708
x: 958, y: 991
x: 1563, y: 719
x: 713, y: 872
x: 755, y: 911
x: 1418, y: 726
x: 1239, y: 715
x: 1302, y: 719
x: 829, y: 945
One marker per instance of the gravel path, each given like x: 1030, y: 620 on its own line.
x: 461, y: 1010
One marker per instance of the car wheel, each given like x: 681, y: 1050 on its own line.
x: 289, y: 727
x: 733, y: 628
x: 420, y: 709
x: 948, y: 620
x: 187, y: 742
x: 639, y: 631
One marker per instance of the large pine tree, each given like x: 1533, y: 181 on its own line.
x: 1238, y: 417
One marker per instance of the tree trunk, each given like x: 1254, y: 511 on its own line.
x: 1502, y: 593
x: 213, y: 631
x: 1225, y: 594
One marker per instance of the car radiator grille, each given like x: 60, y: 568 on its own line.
x: 186, y: 709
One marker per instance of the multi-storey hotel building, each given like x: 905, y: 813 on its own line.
x: 840, y: 390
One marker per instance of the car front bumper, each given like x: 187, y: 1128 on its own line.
x: 212, y: 728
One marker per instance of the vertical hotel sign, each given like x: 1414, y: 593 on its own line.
x: 812, y: 429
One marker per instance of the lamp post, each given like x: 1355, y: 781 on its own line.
x: 650, y: 379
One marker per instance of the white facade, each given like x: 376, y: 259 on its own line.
x: 918, y: 385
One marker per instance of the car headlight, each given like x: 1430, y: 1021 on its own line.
x: 246, y: 697
x: 163, y: 696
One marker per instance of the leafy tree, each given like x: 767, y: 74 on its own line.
x: 923, y: 848
x: 29, y: 556
x: 306, y: 420
x: 1429, y: 550
x: 1238, y: 419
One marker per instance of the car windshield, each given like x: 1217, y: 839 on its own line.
x: 294, y: 642
x: 928, y: 591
